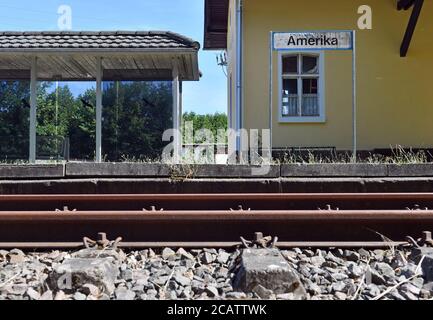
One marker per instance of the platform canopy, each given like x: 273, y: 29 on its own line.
x: 98, y: 56
x: 69, y: 56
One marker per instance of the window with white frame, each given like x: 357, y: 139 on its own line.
x: 301, y: 87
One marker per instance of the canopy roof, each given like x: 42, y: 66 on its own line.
x: 127, y: 55
x: 216, y: 20
x: 215, y: 24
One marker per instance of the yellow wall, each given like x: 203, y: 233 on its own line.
x: 395, y: 95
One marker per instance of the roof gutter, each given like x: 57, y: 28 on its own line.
x: 98, y: 50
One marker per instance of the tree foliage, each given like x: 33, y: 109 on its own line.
x: 135, y: 119
x: 212, y: 122
x: 14, y: 115
x: 135, y: 115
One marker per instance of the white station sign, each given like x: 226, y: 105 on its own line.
x: 313, y: 40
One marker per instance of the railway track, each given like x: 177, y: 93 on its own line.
x: 215, y: 220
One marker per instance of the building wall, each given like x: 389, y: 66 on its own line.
x: 231, y: 57
x: 395, y: 95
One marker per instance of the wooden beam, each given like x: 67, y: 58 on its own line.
x: 68, y: 67
x: 14, y: 74
x: 138, y: 74
x: 108, y: 75
x: 215, y: 24
x: 411, y: 27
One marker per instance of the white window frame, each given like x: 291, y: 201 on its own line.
x: 321, y: 89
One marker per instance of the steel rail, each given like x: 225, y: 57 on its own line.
x: 204, y: 220
x: 220, y: 196
x: 182, y: 202
x: 217, y: 216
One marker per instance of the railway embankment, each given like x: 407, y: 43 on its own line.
x: 229, y: 268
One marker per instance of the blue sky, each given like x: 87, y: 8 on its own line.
x: 182, y: 16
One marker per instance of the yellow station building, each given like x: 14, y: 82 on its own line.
x: 312, y: 90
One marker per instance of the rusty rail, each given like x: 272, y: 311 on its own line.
x: 198, y: 245
x: 215, y: 220
x: 220, y: 196
x: 331, y: 216
x: 292, y: 201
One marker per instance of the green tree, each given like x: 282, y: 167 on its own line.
x: 212, y: 122
x: 14, y: 119
x: 135, y: 116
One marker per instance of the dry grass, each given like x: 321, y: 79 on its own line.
x: 399, y: 155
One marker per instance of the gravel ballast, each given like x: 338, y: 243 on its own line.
x: 338, y: 274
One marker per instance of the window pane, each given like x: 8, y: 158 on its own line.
x: 66, y: 128
x: 310, y: 65
x: 290, y: 98
x: 310, y: 105
x: 290, y: 86
x: 14, y: 120
x: 136, y: 114
x: 310, y: 98
x: 290, y: 64
x: 309, y: 86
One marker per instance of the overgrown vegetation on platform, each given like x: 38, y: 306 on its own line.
x: 397, y: 155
